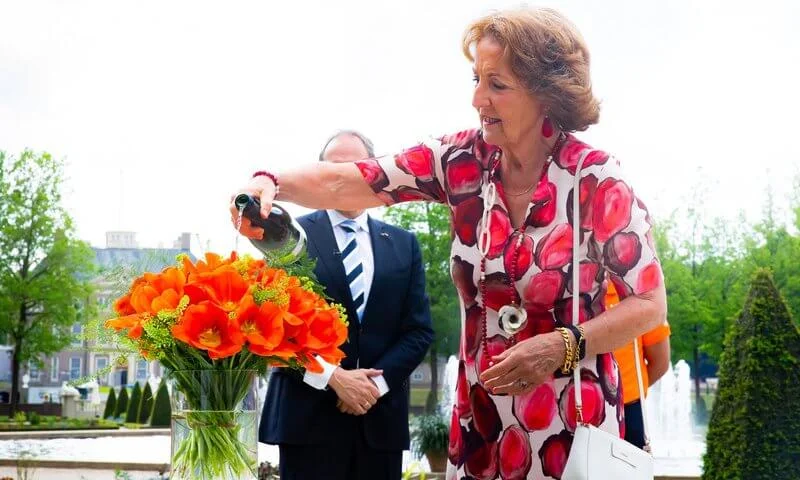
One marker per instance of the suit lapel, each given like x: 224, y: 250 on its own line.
x: 382, y: 254
x: 321, y: 235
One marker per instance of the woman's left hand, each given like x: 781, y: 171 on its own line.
x: 526, y: 365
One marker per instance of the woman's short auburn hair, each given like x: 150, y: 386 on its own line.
x: 549, y: 55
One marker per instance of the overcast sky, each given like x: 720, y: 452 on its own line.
x: 163, y: 108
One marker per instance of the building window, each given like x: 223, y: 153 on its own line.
x: 100, y: 363
x: 75, y: 364
x: 77, y: 334
x: 33, y: 371
x: 417, y: 376
x: 54, y: 376
x: 141, y: 369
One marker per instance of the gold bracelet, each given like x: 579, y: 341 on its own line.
x: 570, y: 352
x: 581, y: 338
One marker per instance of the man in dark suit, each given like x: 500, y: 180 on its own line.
x: 351, y: 422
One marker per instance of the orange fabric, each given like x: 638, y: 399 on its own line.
x: 625, y: 355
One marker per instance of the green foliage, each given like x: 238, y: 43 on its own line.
x: 134, y: 404
x: 147, y: 404
x: 20, y: 418
x: 122, y: 403
x: 707, y: 263
x: 303, y: 269
x: 430, y: 223
x: 34, y: 418
x: 45, y: 272
x: 430, y: 433
x: 162, y: 410
x: 111, y: 404
x: 38, y: 423
x: 754, y: 431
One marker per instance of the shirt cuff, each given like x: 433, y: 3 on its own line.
x: 380, y: 382
x: 320, y: 380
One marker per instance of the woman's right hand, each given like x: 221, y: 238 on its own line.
x: 263, y: 188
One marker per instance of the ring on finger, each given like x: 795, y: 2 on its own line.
x: 522, y: 383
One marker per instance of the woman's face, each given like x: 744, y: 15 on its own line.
x: 510, y: 116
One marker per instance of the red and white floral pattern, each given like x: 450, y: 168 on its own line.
x: 527, y: 436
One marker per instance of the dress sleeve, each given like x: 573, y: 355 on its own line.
x: 622, y: 230
x: 656, y: 335
x: 435, y: 170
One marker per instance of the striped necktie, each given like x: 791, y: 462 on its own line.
x: 353, y: 267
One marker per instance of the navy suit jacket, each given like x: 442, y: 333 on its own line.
x: 393, y: 335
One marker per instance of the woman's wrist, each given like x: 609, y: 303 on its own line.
x: 579, y: 336
x: 568, y: 348
x: 272, y: 177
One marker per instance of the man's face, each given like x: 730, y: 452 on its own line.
x: 345, y: 148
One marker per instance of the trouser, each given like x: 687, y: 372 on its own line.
x: 349, y: 459
x: 634, y: 424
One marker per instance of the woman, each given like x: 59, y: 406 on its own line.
x: 509, y: 186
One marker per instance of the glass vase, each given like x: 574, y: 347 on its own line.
x: 214, y: 428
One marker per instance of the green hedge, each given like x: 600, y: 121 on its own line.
x: 162, y: 410
x: 147, y: 404
x: 132, y: 415
x: 122, y: 403
x: 754, y: 431
x: 111, y: 404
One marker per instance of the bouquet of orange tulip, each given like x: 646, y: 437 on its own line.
x: 215, y: 324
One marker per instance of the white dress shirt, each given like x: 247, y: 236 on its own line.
x: 320, y: 380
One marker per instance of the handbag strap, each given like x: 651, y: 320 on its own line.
x: 642, y: 400
x: 576, y: 264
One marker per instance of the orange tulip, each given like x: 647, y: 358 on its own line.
x: 325, y: 329
x: 155, y: 292
x: 224, y: 286
x: 312, y: 365
x: 132, y: 323
x: 211, y: 263
x: 122, y: 305
x: 331, y: 355
x: 262, y: 326
x: 207, y: 327
x: 302, y: 303
x: 270, y: 276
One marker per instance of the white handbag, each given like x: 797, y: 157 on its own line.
x: 596, y: 454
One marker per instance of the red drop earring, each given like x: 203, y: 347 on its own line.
x: 547, y: 127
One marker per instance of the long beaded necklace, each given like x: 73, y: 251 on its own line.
x: 512, y: 316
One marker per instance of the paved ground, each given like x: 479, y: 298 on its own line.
x: 62, y: 474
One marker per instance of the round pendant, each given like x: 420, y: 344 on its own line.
x: 512, y: 318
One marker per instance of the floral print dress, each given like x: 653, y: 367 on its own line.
x: 527, y: 436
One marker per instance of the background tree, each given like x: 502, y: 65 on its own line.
x: 44, y: 272
x: 122, y: 403
x: 772, y: 245
x: 431, y: 222
x: 111, y: 404
x: 688, y: 313
x: 754, y: 431
x: 147, y: 404
x: 162, y: 410
x: 134, y: 404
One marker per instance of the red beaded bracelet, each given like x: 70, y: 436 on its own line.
x: 271, y: 176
